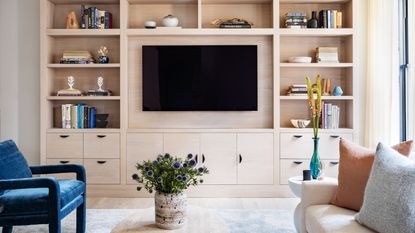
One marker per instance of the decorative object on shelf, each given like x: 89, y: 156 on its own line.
x: 297, y: 90
x: 232, y: 23
x: 170, y: 21
x: 169, y: 177
x: 71, y: 21
x: 306, y: 175
x: 99, y: 91
x: 296, y: 20
x: 315, y: 102
x: 93, y: 18
x: 70, y: 91
x: 313, y: 22
x: 327, y: 55
x: 150, y: 24
x: 300, y: 123
x: 326, y: 87
x: 337, y: 91
x: 331, y: 19
x: 101, y: 120
x: 77, y: 57
x: 300, y: 59
x: 103, y: 52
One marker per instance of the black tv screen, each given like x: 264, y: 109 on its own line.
x: 200, y: 78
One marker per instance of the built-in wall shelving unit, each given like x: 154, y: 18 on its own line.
x: 128, y: 124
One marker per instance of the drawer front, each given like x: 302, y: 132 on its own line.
x: 296, y: 145
x: 331, y: 168
x: 102, y: 171
x: 102, y: 145
x: 329, y: 144
x: 290, y: 168
x: 61, y: 162
x: 65, y: 146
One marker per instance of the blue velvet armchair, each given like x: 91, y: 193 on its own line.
x: 28, y: 200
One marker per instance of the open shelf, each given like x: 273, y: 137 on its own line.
x: 319, y: 65
x: 323, y: 97
x: 83, y: 32
x: 190, y: 32
x: 80, y: 98
x: 313, y: 1
x: 110, y: 65
x: 315, y: 32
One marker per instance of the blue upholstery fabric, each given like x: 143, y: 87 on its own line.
x: 33, y: 201
x: 12, y: 163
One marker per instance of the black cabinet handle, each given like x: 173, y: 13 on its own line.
x: 203, y: 158
x: 334, y: 163
x: 298, y: 162
x: 196, y: 159
x: 63, y: 162
x: 101, y: 162
x: 334, y: 136
x: 240, y: 158
x: 64, y: 136
x: 101, y: 136
x: 298, y: 136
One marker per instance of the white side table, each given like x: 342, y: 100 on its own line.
x: 295, y: 183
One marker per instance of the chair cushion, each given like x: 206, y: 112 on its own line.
x: 28, y: 201
x: 333, y: 219
x: 13, y: 165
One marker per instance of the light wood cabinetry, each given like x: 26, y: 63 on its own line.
x: 249, y: 153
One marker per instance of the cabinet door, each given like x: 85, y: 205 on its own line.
x: 256, y: 162
x: 140, y: 147
x: 219, y: 156
x: 181, y: 144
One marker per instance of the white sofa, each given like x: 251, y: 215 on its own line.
x: 315, y: 214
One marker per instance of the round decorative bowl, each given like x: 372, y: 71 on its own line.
x: 299, y: 60
x: 300, y: 123
x: 170, y: 21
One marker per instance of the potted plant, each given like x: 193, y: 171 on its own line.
x: 314, y: 102
x: 169, y: 177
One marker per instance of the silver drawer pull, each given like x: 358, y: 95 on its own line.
x: 64, y: 136
x: 334, y: 163
x: 334, y: 136
x: 298, y: 162
x: 101, y: 162
x: 298, y: 136
x: 101, y: 136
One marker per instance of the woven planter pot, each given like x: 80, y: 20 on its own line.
x: 170, y: 210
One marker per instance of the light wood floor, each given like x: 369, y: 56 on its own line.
x: 214, y: 203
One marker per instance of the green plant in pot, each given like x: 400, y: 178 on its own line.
x: 169, y: 177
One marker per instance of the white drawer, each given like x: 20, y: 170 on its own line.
x: 331, y: 168
x: 64, y: 161
x: 290, y: 168
x: 98, y: 145
x: 296, y: 145
x: 64, y: 145
x: 102, y: 171
x: 329, y: 144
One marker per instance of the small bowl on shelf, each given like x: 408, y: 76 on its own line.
x: 299, y: 59
x: 300, y: 123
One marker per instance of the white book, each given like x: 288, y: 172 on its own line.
x: 63, y: 115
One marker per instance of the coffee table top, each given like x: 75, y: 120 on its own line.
x: 198, y: 220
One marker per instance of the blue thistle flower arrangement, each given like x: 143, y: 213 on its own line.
x: 169, y: 174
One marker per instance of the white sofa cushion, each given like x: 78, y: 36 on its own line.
x: 332, y: 219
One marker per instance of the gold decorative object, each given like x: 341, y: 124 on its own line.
x: 103, y: 51
x: 71, y: 21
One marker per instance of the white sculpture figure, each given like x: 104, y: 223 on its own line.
x: 70, y: 91
x: 71, y: 82
x: 100, y: 82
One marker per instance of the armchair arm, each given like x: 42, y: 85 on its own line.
x: 53, y: 169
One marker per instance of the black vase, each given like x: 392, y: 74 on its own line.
x: 313, y: 22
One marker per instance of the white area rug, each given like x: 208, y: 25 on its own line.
x: 238, y: 221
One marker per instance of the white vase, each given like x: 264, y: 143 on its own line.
x: 170, y: 21
x: 170, y: 210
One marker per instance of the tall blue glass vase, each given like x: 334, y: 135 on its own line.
x: 315, y: 164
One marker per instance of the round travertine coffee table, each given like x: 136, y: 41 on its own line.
x: 199, y: 220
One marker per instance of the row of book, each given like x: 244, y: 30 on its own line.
x: 94, y: 18
x: 330, y: 19
x: 78, y: 116
x: 330, y: 116
x: 297, y: 90
x: 77, y: 57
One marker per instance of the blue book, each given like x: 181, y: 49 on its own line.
x: 92, y: 117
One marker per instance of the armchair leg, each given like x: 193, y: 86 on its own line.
x: 55, y: 227
x: 81, y: 218
x: 7, y: 229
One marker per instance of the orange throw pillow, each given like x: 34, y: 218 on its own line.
x: 354, y: 170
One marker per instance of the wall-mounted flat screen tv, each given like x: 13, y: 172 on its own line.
x: 200, y: 78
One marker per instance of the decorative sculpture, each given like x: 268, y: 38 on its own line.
x: 71, y: 21
x: 103, y: 58
x: 70, y: 91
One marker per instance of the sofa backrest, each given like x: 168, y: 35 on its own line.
x: 13, y: 165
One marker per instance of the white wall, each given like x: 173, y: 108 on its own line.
x: 19, y: 75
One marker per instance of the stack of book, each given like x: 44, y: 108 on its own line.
x: 330, y: 116
x: 331, y: 19
x: 297, y: 90
x: 93, y: 18
x: 77, y: 57
x: 327, y: 55
x: 78, y: 116
x: 296, y: 20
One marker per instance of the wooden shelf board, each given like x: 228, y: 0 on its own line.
x: 162, y: 1
x: 315, y: 32
x: 83, y: 98
x: 323, y: 97
x: 171, y: 130
x: 312, y: 1
x: 83, y: 32
x: 321, y: 65
x: 94, y: 130
x: 110, y: 65
x: 310, y: 130
x: 85, y: 2
x: 236, y: 1
x: 204, y: 31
